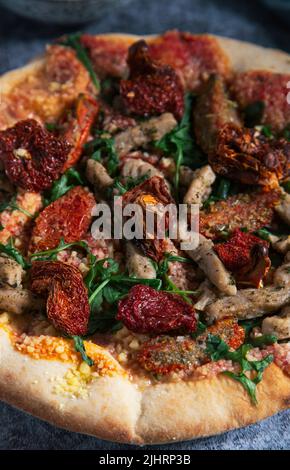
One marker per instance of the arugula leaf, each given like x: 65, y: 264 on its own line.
x: 180, y: 143
x: 67, y: 181
x: 286, y: 132
x: 51, y: 254
x: 222, y: 189
x: 286, y: 185
x: 218, y: 349
x: 263, y: 340
x: 73, y: 41
x: 80, y: 347
x: 253, y: 113
x: 104, y: 322
x: 201, y: 328
x: 14, y: 206
x: 104, y: 148
x: 267, y: 131
x: 10, y: 250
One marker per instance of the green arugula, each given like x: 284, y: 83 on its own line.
x: 12, y: 205
x: 253, y: 113
x: 65, y: 183
x: 222, y: 189
x: 180, y: 143
x: 263, y: 340
x: 130, y: 183
x: 106, y: 283
x: 286, y: 132
x: 104, y: 148
x: 52, y: 253
x: 10, y: 250
x: 218, y: 349
x: 80, y: 347
x: 73, y: 41
x: 286, y: 185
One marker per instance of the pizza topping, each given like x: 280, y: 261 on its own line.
x: 250, y: 303
x: 144, y: 133
x: 166, y: 354
x: 67, y: 304
x: 146, y: 310
x: 33, y: 157
x: 151, y: 88
x: 151, y: 195
x: 108, y: 55
x: 247, y: 156
x: 251, y: 211
x: 270, y: 89
x: 16, y: 218
x: 194, y: 57
x: 212, y: 111
x: 246, y: 256
x: 76, y: 125
x: 67, y: 218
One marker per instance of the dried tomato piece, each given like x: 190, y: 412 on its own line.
x: 68, y: 217
x: 76, y: 126
x: 193, y: 57
x: 228, y: 330
x: 67, y: 301
x: 249, y: 157
x: 235, y: 253
x: 268, y: 87
x: 146, y: 310
x: 33, y: 157
x: 166, y: 354
x: 151, y: 88
x: 153, y: 195
x: 251, y: 211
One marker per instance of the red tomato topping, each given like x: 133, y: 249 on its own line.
x: 193, y: 57
x: 33, y: 157
x: 76, y: 126
x: 268, y: 87
x: 151, y: 88
x: 146, y: 310
x: 251, y: 211
x: 67, y: 302
x: 166, y: 354
x: 68, y: 217
x: 108, y: 55
x: 236, y: 252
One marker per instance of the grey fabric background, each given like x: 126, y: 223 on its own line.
x: 19, y: 41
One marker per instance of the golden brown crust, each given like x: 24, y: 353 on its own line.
x: 118, y: 410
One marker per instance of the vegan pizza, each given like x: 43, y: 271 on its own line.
x: 139, y: 340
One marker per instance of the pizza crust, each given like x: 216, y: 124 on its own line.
x: 117, y: 409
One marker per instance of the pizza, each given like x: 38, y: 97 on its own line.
x: 138, y: 340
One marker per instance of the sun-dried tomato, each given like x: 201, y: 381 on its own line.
x: 166, y: 354
x: 268, y: 87
x: 193, y: 57
x: 68, y: 217
x: 153, y: 195
x: 249, y: 157
x: 76, y: 125
x: 251, y: 211
x: 33, y: 157
x: 151, y: 88
x: 146, y: 310
x: 228, y: 330
x: 235, y: 253
x: 67, y: 297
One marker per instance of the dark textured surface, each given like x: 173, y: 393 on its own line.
x: 19, y: 41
